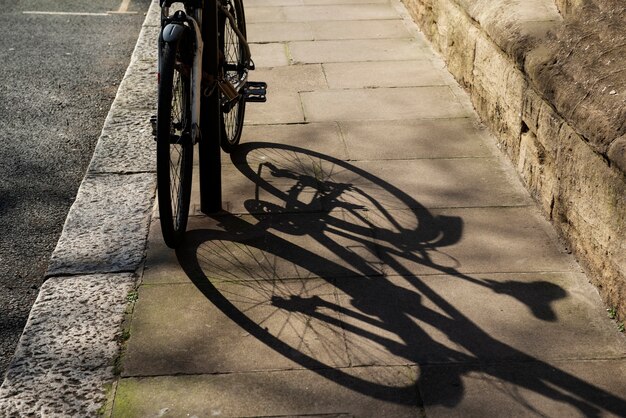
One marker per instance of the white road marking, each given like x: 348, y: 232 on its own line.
x: 124, y: 6
x: 123, y: 9
x: 65, y: 13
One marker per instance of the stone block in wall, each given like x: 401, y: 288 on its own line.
x: 548, y: 129
x: 457, y: 41
x: 538, y: 149
x: 537, y: 171
x: 497, y: 94
x: 590, y: 210
x: 423, y: 14
x: 539, y: 118
x: 617, y: 153
x: 531, y: 107
x: 595, y: 190
x: 513, y: 25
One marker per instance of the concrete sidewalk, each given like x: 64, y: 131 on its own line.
x: 376, y: 257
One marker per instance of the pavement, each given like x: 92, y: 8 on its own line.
x: 376, y: 255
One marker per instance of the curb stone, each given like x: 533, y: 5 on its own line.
x: 67, y: 351
x: 65, y: 357
x: 107, y: 226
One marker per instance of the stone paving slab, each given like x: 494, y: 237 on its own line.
x: 408, y: 139
x: 226, y: 327
x: 560, y: 389
x: 468, y: 240
x: 437, y: 319
x: 369, y: 243
x: 243, y: 196
x: 242, y: 185
x: 324, y: 12
x: 324, y: 138
x: 382, y: 104
x: 265, y: 14
x: 278, y: 32
x: 290, y: 79
x: 269, y: 55
x: 356, y: 50
x: 410, y: 73
x: 289, y: 246
x: 341, y: 12
x: 261, y: 247
x: 326, y: 30
x: 280, y: 108
x: 360, y: 29
x: 268, y: 171
x: 339, y: 393
x: 163, y: 266
x: 266, y: 3
x: 431, y: 183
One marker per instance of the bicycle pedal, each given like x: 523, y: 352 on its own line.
x: 255, y: 91
x: 153, y: 123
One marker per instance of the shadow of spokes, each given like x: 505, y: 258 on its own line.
x: 319, y: 271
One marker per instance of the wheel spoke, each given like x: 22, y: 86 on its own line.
x: 233, y: 70
x: 173, y: 146
x: 176, y: 149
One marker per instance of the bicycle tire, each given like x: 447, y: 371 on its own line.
x: 174, y: 144
x: 233, y: 68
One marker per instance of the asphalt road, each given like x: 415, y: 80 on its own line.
x: 58, y: 76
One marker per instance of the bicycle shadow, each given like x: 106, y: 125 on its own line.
x: 334, y: 252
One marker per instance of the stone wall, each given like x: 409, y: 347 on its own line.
x: 568, y: 7
x: 549, y: 78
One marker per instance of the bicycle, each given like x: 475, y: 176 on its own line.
x: 183, y: 87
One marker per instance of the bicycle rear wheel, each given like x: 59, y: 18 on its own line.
x: 174, y: 145
x: 234, y: 68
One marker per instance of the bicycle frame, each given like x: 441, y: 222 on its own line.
x: 182, y: 22
x: 213, y: 91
